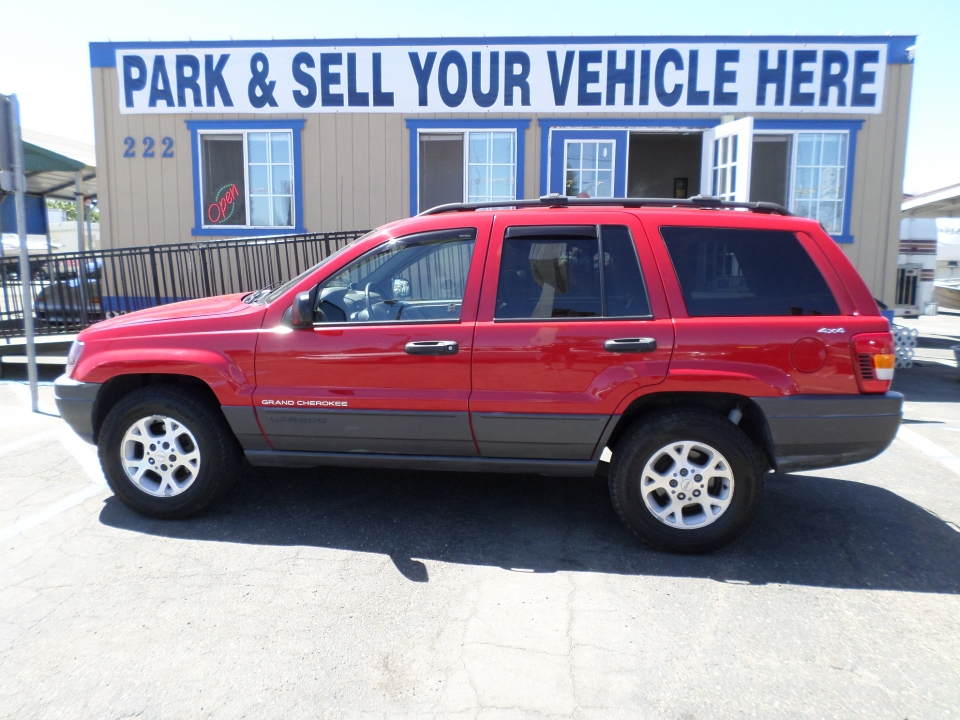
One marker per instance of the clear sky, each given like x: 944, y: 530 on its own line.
x: 44, y: 56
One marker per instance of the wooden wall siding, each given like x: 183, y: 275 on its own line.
x: 356, y: 172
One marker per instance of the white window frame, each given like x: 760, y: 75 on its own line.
x: 246, y: 178
x: 792, y: 169
x: 613, y: 161
x: 846, y: 169
x: 491, y: 164
x: 464, y: 132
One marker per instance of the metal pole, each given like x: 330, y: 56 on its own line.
x: 26, y: 277
x: 79, y: 197
x: 46, y: 223
x: 89, y: 229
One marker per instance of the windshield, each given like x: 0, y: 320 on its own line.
x: 290, y: 283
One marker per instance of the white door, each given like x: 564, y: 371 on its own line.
x: 725, y: 167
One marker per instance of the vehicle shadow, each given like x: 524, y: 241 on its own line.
x: 928, y: 382
x: 811, y: 531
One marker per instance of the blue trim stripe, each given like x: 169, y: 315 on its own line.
x: 245, y: 124
x: 801, y: 124
x: 453, y: 124
x: 103, y: 54
x: 619, y: 137
x: 296, y: 126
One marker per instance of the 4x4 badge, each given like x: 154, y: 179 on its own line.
x: 831, y: 331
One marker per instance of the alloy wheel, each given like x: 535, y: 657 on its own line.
x: 160, y: 456
x: 687, y: 484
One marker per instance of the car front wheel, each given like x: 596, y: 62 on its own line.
x: 686, y: 481
x: 166, y: 455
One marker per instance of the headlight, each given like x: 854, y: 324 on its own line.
x: 73, y: 357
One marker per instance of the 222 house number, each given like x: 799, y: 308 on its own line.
x: 148, y: 147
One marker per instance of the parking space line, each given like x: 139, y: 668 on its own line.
x: 84, y: 453
x: 50, y: 512
x: 930, y: 448
x: 85, y: 456
x: 24, y: 442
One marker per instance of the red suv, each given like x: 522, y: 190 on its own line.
x: 694, y: 344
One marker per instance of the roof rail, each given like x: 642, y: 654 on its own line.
x: 556, y: 200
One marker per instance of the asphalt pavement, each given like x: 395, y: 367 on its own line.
x: 369, y: 594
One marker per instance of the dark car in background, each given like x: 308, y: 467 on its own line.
x: 72, y: 291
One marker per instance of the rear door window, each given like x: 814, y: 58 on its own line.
x: 748, y: 273
x: 570, y: 272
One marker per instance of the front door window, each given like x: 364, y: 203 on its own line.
x: 419, y: 278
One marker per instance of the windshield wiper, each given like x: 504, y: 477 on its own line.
x: 254, y: 296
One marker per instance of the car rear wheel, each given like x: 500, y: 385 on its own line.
x: 167, y: 455
x: 686, y: 481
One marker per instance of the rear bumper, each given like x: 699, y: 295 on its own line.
x: 75, y: 402
x: 818, y: 431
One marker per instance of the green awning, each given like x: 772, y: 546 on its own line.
x: 53, y: 174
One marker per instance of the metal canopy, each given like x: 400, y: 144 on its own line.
x: 51, y: 166
x: 944, y: 202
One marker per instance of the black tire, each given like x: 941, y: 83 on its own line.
x: 639, y: 444
x: 219, y: 451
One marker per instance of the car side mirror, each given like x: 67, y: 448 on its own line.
x: 302, y: 310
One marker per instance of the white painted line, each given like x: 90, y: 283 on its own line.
x: 50, y: 512
x: 930, y: 448
x: 84, y: 453
x: 86, y: 457
x: 25, y: 442
x: 21, y: 391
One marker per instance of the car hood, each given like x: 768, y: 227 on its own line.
x: 203, y: 307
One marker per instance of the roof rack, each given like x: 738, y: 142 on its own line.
x: 557, y: 200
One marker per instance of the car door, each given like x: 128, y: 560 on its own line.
x: 569, y: 325
x: 386, y: 366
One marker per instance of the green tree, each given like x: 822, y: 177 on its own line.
x: 93, y: 214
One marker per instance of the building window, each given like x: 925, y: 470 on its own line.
x: 820, y: 178
x: 441, y: 169
x: 491, y: 166
x: 725, y: 167
x: 224, y: 180
x: 247, y: 177
x: 453, y: 161
x: 471, y: 166
x: 589, y: 168
x: 270, y: 165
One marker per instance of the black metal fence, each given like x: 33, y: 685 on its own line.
x: 74, y: 290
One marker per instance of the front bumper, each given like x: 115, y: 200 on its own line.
x: 75, y: 401
x: 818, y: 431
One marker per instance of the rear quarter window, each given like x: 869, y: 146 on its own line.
x: 746, y: 273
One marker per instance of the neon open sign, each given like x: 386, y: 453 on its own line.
x: 223, y: 207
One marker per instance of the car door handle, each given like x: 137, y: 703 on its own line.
x: 630, y: 345
x: 432, y: 347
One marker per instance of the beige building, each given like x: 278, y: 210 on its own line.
x: 200, y: 140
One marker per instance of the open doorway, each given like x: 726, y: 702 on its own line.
x: 770, y: 169
x: 664, y: 165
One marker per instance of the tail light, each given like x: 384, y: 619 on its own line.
x: 874, y: 359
